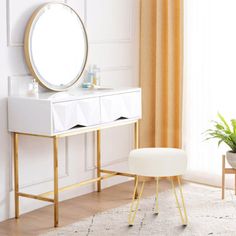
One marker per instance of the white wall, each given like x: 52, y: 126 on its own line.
x: 113, y: 33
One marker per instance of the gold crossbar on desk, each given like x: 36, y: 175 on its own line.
x: 36, y: 135
x: 117, y: 173
x: 36, y: 197
x: 42, y: 196
x: 83, y: 130
x: 72, y: 186
x: 56, y: 189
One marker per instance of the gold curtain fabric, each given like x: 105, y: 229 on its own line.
x: 161, y: 72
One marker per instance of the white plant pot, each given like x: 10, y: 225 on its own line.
x: 231, y: 158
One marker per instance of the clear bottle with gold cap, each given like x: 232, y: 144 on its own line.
x: 33, y: 88
x: 96, y: 76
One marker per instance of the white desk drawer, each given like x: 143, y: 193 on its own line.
x: 53, y: 113
x: 66, y: 115
x: 126, y: 105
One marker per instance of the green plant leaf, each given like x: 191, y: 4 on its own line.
x: 233, y: 123
x: 224, y: 121
x: 233, y: 138
x: 222, y: 132
x: 220, y: 141
x: 219, y: 126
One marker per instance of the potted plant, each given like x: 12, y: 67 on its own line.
x: 225, y: 133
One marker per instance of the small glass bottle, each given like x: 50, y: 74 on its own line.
x: 90, y: 75
x: 98, y: 75
x: 96, y: 78
x: 33, y: 88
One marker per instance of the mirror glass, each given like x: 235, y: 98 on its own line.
x: 56, y: 46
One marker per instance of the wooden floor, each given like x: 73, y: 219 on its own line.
x: 75, y: 209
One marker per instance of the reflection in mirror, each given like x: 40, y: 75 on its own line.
x: 56, y: 46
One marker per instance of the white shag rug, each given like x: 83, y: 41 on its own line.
x: 207, y: 213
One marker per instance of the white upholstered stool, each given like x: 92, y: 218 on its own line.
x: 158, y: 162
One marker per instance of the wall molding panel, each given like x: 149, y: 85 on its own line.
x: 62, y: 174
x: 92, y: 166
x: 117, y: 68
x: 109, y: 12
x: 10, y: 41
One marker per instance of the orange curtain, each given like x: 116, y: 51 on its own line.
x: 161, y: 72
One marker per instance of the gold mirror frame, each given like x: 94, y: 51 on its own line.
x: 36, y: 14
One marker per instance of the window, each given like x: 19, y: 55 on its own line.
x: 209, y: 82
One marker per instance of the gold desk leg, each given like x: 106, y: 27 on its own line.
x: 223, y: 177
x: 136, y: 146
x: 55, y: 160
x: 16, y: 174
x: 99, y: 159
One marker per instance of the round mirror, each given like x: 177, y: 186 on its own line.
x: 56, y: 46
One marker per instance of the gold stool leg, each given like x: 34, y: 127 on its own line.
x: 135, y: 182
x: 183, y: 202
x: 156, y: 207
x: 185, y: 218
x: 133, y: 211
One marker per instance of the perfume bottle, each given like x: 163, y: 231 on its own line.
x: 33, y: 88
x: 96, y: 77
x: 92, y: 77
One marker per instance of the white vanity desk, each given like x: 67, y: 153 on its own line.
x: 56, y: 115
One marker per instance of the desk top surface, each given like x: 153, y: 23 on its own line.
x: 78, y: 93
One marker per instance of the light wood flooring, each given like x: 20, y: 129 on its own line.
x: 73, y: 210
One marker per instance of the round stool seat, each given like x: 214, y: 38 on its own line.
x: 157, y: 162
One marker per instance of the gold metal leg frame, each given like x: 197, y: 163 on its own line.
x: 136, y: 146
x: 99, y: 160
x: 55, y: 154
x: 37, y: 197
x: 55, y: 199
x: 133, y: 209
x: 16, y: 174
x: 185, y: 218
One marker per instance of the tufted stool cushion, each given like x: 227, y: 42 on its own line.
x: 157, y: 162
